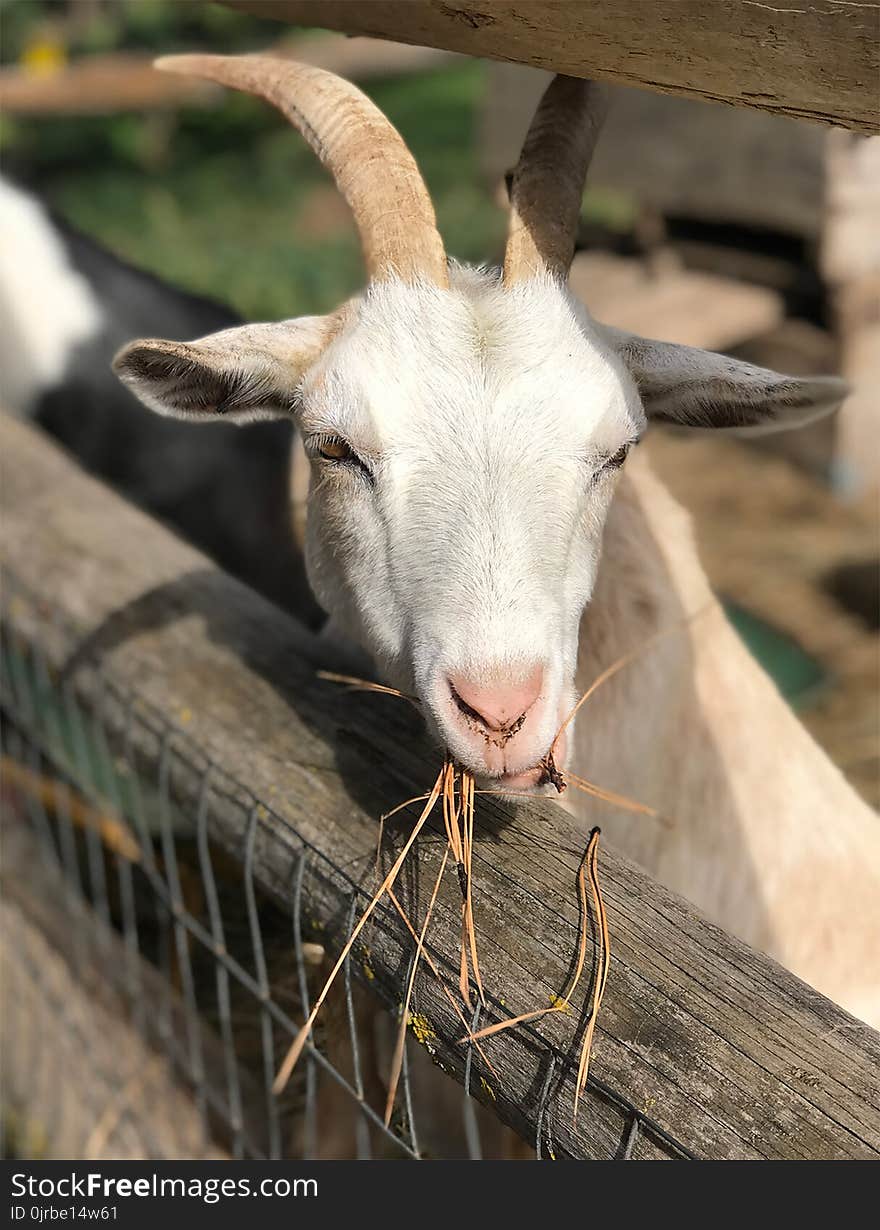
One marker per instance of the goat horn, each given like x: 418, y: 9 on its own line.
x: 365, y: 154
x: 547, y: 185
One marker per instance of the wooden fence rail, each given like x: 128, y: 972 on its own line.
x: 707, y: 1043
x: 814, y: 61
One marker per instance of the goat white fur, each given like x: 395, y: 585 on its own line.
x: 466, y: 438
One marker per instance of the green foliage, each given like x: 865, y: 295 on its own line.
x: 116, y: 25
x: 228, y: 200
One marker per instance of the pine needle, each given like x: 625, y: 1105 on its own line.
x: 469, y: 1037
x: 418, y: 798
x: 617, y: 800
x: 499, y: 1027
x: 509, y: 794
x: 366, y: 685
x: 458, y: 818
x: 452, y: 813
x: 296, y: 1048
x: 589, y: 865
x: 397, y: 1061
x: 562, y: 1004
x: 625, y: 659
x: 467, y: 785
x: 464, y: 974
x: 602, y: 965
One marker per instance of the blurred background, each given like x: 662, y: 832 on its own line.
x: 718, y: 227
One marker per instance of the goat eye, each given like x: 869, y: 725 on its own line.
x: 612, y: 463
x: 331, y: 448
x: 338, y: 452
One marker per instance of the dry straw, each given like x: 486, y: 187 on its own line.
x: 454, y: 788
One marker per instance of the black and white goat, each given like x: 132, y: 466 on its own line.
x: 66, y: 306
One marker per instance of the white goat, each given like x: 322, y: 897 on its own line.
x: 467, y: 434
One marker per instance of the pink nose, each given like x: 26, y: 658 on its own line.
x: 500, y: 703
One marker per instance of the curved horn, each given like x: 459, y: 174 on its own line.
x: 545, y: 194
x: 361, y: 149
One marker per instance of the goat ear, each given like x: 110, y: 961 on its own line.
x: 696, y: 388
x: 243, y: 374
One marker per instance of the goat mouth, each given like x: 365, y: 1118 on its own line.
x: 545, y: 773
x: 528, y: 779
x: 524, y: 780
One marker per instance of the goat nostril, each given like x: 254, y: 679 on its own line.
x: 495, y: 702
x: 471, y: 713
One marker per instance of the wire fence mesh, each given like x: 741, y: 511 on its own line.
x: 116, y: 847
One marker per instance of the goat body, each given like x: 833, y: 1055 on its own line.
x: 762, y: 832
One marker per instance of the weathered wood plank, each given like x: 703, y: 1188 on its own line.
x: 722, y: 1049
x: 98, y: 85
x: 816, y: 62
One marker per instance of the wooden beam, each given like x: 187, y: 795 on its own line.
x: 815, y: 61
x: 99, y: 85
x: 725, y: 1053
x: 103, y: 84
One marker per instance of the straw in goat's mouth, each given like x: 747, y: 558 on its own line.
x: 454, y: 788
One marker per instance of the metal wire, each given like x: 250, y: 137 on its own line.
x: 268, y: 1046
x: 364, y: 1151
x: 221, y: 973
